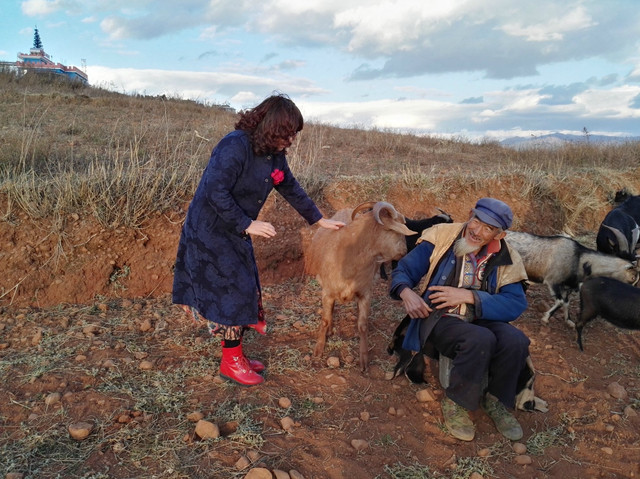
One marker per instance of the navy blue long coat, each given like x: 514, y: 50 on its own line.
x: 215, y: 270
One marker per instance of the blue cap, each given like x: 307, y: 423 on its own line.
x: 493, y: 212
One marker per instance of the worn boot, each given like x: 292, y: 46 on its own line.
x: 235, y: 366
x: 505, y: 422
x: 457, y: 420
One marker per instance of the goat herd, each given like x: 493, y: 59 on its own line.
x: 346, y: 261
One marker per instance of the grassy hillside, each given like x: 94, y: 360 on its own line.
x: 68, y: 148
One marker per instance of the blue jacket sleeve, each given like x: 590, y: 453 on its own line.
x: 506, y: 305
x: 411, y: 268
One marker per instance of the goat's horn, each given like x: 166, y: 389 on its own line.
x: 623, y: 244
x: 367, y: 205
x: 383, y: 205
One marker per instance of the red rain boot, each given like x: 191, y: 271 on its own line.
x: 256, y: 365
x: 235, y: 366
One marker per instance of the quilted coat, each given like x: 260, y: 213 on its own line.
x: 215, y: 269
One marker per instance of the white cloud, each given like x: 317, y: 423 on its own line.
x: 34, y: 8
x: 552, y: 28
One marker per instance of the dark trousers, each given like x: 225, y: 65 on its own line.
x: 483, y: 347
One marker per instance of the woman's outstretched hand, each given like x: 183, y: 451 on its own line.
x: 330, y: 224
x: 261, y: 228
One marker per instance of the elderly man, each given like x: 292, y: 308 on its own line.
x: 475, y: 288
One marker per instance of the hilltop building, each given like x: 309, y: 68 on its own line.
x: 39, y: 61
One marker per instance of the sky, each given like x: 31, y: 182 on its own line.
x: 470, y: 69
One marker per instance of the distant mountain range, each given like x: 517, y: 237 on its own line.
x: 554, y: 140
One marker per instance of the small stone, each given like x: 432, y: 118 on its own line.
x: 287, y: 423
x: 365, y: 416
x: 616, y: 390
x: 258, y: 473
x: 242, y: 463
x: 195, y: 416
x: 519, y: 448
x: 333, y: 362
x: 484, y: 452
x: 253, y: 455
x: 607, y: 450
x: 392, y: 411
x: 523, y: 459
x: 52, y: 399
x: 609, y: 428
x: 145, y: 325
x: 629, y: 411
x: 80, y: 358
x: 146, y: 365
x: 280, y: 474
x: 80, y: 430
x: 425, y: 395
x: 13, y: 475
x: 109, y: 364
x: 284, y: 402
x: 35, y: 340
x: 207, y: 430
x: 476, y: 475
x: 295, y: 474
x: 359, y: 444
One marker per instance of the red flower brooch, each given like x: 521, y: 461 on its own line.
x: 277, y: 176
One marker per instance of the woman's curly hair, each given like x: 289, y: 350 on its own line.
x: 275, y: 118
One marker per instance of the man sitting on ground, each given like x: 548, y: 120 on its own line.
x: 475, y: 288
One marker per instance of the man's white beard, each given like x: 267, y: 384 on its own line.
x: 462, y: 247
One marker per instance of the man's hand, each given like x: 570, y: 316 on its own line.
x: 450, y: 297
x: 414, y: 305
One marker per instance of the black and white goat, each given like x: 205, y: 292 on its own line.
x: 619, y: 232
x: 614, y: 301
x: 419, y: 226
x: 563, y: 264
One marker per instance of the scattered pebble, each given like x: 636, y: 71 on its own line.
x: 476, y: 475
x: 333, y: 362
x: 287, y: 423
x: 253, y: 455
x: 359, y: 444
x: 284, y: 402
x: 523, y: 459
x: 365, y: 416
x: 279, y: 474
x: 80, y: 430
x: 207, y: 430
x: 607, y: 450
x: 519, y: 448
x: 195, y: 416
x: 295, y: 474
x: 146, y: 365
x: 242, y: 463
x: 484, y: 452
x: 617, y: 390
x: 52, y: 398
x: 425, y: 395
x: 629, y: 411
x: 258, y: 473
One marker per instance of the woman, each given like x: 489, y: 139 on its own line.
x: 216, y: 276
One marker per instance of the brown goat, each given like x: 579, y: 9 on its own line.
x: 345, y: 262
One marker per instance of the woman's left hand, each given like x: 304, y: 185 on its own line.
x: 330, y: 224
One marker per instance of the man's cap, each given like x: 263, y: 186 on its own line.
x: 493, y: 212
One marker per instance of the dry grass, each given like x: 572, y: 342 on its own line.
x: 69, y: 148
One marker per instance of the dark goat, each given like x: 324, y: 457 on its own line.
x: 419, y: 226
x: 619, y: 232
x: 613, y: 300
x: 563, y: 264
